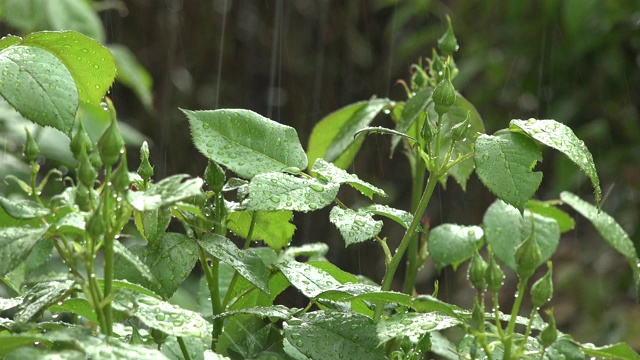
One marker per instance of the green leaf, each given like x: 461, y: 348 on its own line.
x: 308, y: 279
x: 24, y: 15
x: 279, y: 191
x: 75, y: 15
x: 90, y: 64
x: 16, y: 244
x: 613, y: 351
x: 132, y: 74
x: 23, y: 209
x: 383, y: 130
x: 355, y: 227
x: 132, y: 259
x: 161, y: 315
x: 560, y: 137
x: 548, y: 209
x: 274, y: 311
x: 274, y: 228
x: 170, y: 260
x: 412, y: 109
x: 504, y: 164
x: 40, y: 297
x: 155, y: 222
x: 334, y: 174
x: 194, y: 346
x: 165, y: 192
x: 245, y: 142
x: 451, y: 244
x: 312, y: 250
x: 42, y: 354
x: 125, y: 285
x: 413, y: 325
x: 249, y: 337
x: 77, y: 306
x: 39, y: 86
x: 9, y: 342
x: 332, y: 137
x: 334, y: 335
x: 505, y: 229
x: 337, y: 273
x: 609, y: 229
x: 402, y: 217
x: 245, y: 262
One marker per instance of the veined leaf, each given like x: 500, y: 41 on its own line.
x: 334, y: 174
x: 245, y: 142
x: 413, y: 325
x: 274, y: 311
x: 279, y: 191
x: 560, y: 137
x: 23, y: 209
x: 613, y: 351
x: 402, y: 217
x: 355, y: 227
x: 142, y: 268
x: 412, y: 109
x: 308, y: 279
x: 451, y: 244
x: 15, y: 245
x: 77, y: 306
x: 165, y: 192
x: 274, y: 228
x: 41, y: 296
x: 504, y: 164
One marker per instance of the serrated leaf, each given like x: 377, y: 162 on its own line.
x: 505, y: 229
x: 273, y: 311
x: 245, y: 142
x: 334, y: 174
x: 132, y: 259
x: 23, y: 208
x: 402, y: 217
x: 155, y: 222
x: 132, y: 74
x: 245, y: 262
x: 451, y: 244
x: 332, y: 137
x: 39, y: 86
x: 165, y: 192
x: 609, y: 229
x: 41, y: 296
x: 613, y: 351
x: 161, y: 315
x: 412, y: 109
x: 565, y: 222
x: 312, y: 250
x: 413, y: 325
x: 334, y: 335
x: 308, y: 279
x: 560, y: 137
x: 274, y: 228
x: 504, y: 164
x: 355, y: 227
x: 249, y: 337
x: 15, y: 245
x: 279, y: 191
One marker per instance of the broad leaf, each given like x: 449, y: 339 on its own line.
x: 308, y: 279
x: 22, y: 208
x: 613, y: 351
x: 249, y: 337
x: 355, y: 227
x: 609, y: 229
x: 132, y: 259
x: 245, y: 262
x: 334, y: 174
x: 413, y: 325
x: 505, y: 228
x: 334, y: 335
x: 504, y: 164
x: 153, y: 223
x: 412, y: 109
x: 332, y: 137
x: 279, y: 191
x: 245, y: 142
x: 39, y: 86
x: 451, y: 244
x: 165, y: 192
x: 274, y: 228
x: 274, y: 311
x: 40, y: 297
x: 15, y: 245
x: 402, y: 217
x: 561, y: 137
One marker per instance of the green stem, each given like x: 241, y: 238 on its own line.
x: 109, y: 237
x: 412, y: 249
x: 406, y: 239
x: 496, y: 312
x: 35, y: 168
x: 183, y: 348
x: 247, y: 243
x: 522, y: 286
x: 211, y: 275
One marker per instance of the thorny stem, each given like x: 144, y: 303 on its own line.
x: 508, y: 341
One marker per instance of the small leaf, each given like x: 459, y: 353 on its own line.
x: 308, y: 279
x: 504, y: 164
x: 77, y: 306
x: 16, y: 244
x: 40, y: 297
x: 451, y: 244
x: 355, y: 227
x: 23, y: 209
x: 609, y: 229
x: 402, y: 217
x: 383, y: 130
x: 332, y: 138
x: 279, y: 191
x: 245, y: 142
x: 613, y: 351
x: 165, y: 192
x: 560, y: 137
x: 547, y: 209
x: 334, y: 335
x: 413, y: 325
x: 274, y: 228
x: 412, y: 109
x: 334, y: 174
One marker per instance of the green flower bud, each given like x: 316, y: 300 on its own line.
x: 436, y: 66
x: 145, y: 170
x: 110, y: 144
x: 86, y: 173
x: 542, y: 290
x: 214, y: 176
x: 476, y: 272
x: 95, y: 226
x: 31, y: 149
x: 419, y: 78
x: 80, y: 141
x: 478, y: 314
x: 427, y: 132
x: 83, y: 197
x: 448, y: 43
x: 494, y: 275
x: 120, y: 178
x: 549, y: 334
x: 444, y: 95
x: 460, y: 130
x: 527, y: 257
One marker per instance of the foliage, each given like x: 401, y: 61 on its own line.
x: 121, y: 307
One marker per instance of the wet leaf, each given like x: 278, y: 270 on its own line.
x: 609, y: 229
x: 504, y: 164
x: 165, y: 192
x: 245, y: 262
x: 155, y: 222
x: 16, y: 244
x: 245, y: 142
x: 334, y: 335
x: 334, y: 174
x: 451, y: 244
x: 77, y: 306
x: 308, y: 279
x: 249, y: 337
x: 274, y: 228
x: 332, y: 137
x: 412, y: 109
x: 279, y: 191
x: 560, y: 137
x: 355, y: 227
x: 413, y: 325
x: 274, y: 311
x: 402, y: 217
x: 40, y: 297
x: 547, y: 209
x: 134, y: 261
x: 613, y: 351
x: 23, y: 209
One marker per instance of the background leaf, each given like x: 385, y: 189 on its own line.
x: 411, y: 110
x: 74, y: 15
x: 132, y: 74
x: 245, y: 142
x: 355, y: 227
x: 274, y: 228
x: 279, y: 191
x: 547, y: 209
x: 451, y: 244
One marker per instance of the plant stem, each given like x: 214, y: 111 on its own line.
x: 412, y: 250
x: 211, y: 275
x: 247, y: 243
x: 522, y: 286
x: 406, y: 239
x: 109, y: 237
x: 183, y: 348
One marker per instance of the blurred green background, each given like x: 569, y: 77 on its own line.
x: 576, y: 61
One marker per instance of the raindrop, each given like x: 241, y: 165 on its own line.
x: 275, y: 199
x: 295, y: 336
x: 160, y: 317
x: 317, y: 187
x: 278, y: 142
x: 5, y: 72
x: 299, y: 343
